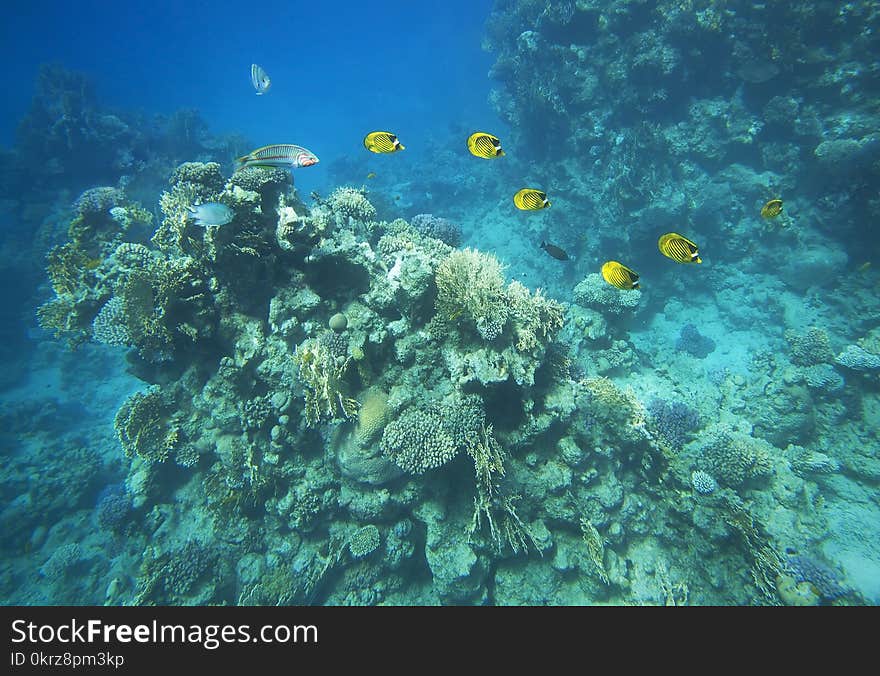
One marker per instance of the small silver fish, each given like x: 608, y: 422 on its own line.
x: 260, y: 80
x: 210, y: 213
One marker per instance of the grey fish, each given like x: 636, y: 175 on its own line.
x: 211, y: 213
x: 259, y: 79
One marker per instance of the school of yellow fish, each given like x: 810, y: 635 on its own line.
x: 488, y: 147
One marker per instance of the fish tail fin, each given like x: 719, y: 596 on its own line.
x: 543, y: 244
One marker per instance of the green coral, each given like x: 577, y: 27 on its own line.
x: 535, y: 317
x: 145, y: 426
x: 593, y: 292
x: 418, y: 441
x: 470, y: 291
x: 364, y: 541
x: 733, y: 457
x: 323, y: 373
x: 811, y: 348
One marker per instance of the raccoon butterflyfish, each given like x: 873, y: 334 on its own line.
x: 772, y: 209
x: 382, y: 142
x: 617, y: 274
x: 484, y: 145
x: 555, y: 251
x: 678, y: 248
x: 529, y: 199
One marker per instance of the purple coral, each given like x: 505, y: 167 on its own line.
x: 114, y: 508
x: 438, y: 228
x: 672, y: 421
x: 822, y: 577
x: 690, y: 340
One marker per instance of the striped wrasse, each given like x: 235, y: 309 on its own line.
x: 281, y: 155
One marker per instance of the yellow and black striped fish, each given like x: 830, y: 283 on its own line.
x: 484, y: 145
x: 529, y: 199
x: 617, y: 274
x: 678, y: 248
x: 382, y: 142
x: 772, y: 209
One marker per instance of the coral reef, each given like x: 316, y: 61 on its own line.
x: 438, y: 228
x: 697, y: 345
x: 733, y: 457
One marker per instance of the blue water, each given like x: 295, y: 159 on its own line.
x: 336, y: 68
x: 372, y: 384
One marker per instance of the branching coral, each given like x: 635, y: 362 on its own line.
x: 535, y: 317
x: 351, y: 203
x: 323, y: 374
x: 417, y: 441
x: 470, y: 289
x: 145, y: 426
x: 505, y: 526
x: 428, y: 436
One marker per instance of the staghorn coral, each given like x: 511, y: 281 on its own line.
x: 825, y: 580
x: 690, y: 340
x: 438, y: 228
x: 145, y: 426
x: 672, y: 421
x: 470, y: 291
x: 323, y: 373
x: 114, y: 508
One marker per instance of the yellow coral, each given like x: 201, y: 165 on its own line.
x: 372, y: 416
x: 470, y: 287
x: 534, y: 315
x: 322, y: 373
x: 620, y: 411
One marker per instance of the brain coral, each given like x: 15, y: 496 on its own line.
x: 372, y: 416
